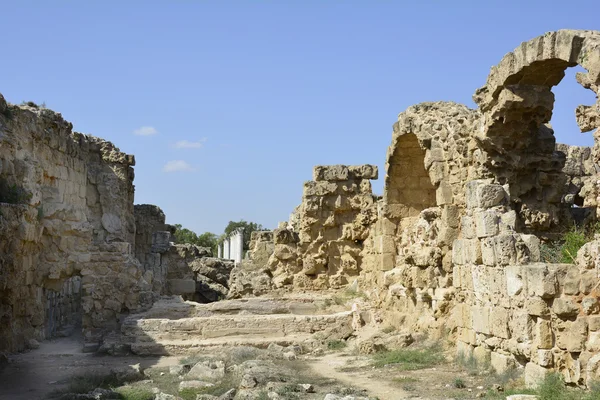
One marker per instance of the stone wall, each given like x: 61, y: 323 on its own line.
x: 73, y: 222
x: 322, y: 244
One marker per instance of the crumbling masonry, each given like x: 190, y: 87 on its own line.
x: 452, y: 246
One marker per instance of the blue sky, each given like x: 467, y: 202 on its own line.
x: 227, y: 105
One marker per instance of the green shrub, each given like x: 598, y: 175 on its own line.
x: 553, y: 388
x: 573, y: 240
x: 135, y: 393
x: 336, y: 344
x: 459, y: 383
x: 565, y: 249
x: 85, y: 383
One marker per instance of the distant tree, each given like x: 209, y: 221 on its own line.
x: 249, y: 227
x: 207, y: 239
x: 184, y: 235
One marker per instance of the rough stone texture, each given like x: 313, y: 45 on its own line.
x: 68, y: 245
x: 321, y: 245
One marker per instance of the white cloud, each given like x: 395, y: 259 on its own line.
x: 177, y: 166
x: 186, y: 144
x: 145, y: 131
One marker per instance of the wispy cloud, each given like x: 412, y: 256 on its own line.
x: 186, y: 144
x: 178, y: 166
x: 145, y: 131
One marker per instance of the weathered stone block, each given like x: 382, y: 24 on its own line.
x: 504, y: 249
x: 577, y: 336
x: 488, y: 252
x: 572, y: 281
x: 321, y: 188
x: 161, y: 241
x: 545, y: 358
x: 481, y: 319
x: 501, y: 363
x: 543, y: 334
x: 514, y: 282
x: 486, y: 223
x: 480, y: 194
x: 594, y: 323
x: 330, y: 173
x: 467, y: 227
x: 539, y: 281
x: 593, y: 342
x: 589, y: 280
x: 537, y: 306
x: 521, y: 326
x: 365, y: 171
x: 443, y: 194
x: 499, y: 322
x: 482, y: 355
x: 534, y: 375
x: 565, y: 308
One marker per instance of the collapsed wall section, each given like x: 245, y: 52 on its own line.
x: 321, y: 245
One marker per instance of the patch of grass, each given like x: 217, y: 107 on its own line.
x: 238, y: 355
x: 409, y: 359
x: 565, y: 249
x: 262, y: 395
x: 459, y: 383
x: 407, y: 383
x: 471, y: 365
x: 193, y: 359
x: 85, y: 383
x: 190, y: 394
x: 135, y: 393
x: 594, y: 393
x: 336, y: 344
x: 229, y: 382
x: 553, y: 388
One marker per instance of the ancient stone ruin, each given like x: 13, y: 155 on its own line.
x: 453, y: 247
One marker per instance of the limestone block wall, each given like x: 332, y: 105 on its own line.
x: 322, y: 246
x: 73, y: 221
x: 407, y: 258
x: 261, y: 247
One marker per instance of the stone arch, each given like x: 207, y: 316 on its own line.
x: 519, y: 147
x: 426, y: 165
x: 408, y: 189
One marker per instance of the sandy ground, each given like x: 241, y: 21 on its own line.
x: 34, y: 374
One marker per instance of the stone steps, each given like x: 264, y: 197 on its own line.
x: 185, y: 347
x: 175, y: 327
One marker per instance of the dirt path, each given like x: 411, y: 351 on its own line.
x: 32, y: 375
x: 330, y: 364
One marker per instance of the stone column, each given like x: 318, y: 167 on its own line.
x: 226, y: 248
x: 239, y: 245
x: 220, y: 250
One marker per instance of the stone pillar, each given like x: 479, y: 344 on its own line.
x: 220, y: 250
x: 239, y: 245
x: 226, y: 248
